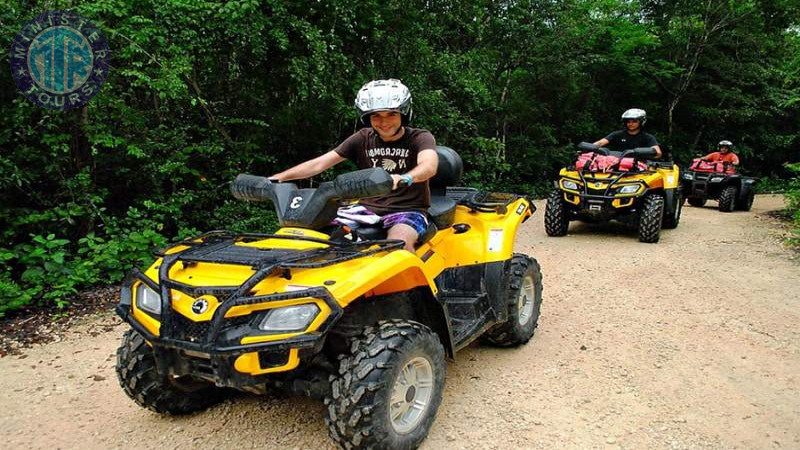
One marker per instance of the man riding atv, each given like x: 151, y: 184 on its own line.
x: 632, y: 136
x: 723, y: 154
x: 622, y: 182
x: 406, y: 153
x: 714, y: 177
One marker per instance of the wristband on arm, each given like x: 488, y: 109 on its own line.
x: 407, y: 180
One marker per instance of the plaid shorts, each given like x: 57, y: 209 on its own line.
x: 355, y: 216
x: 414, y: 219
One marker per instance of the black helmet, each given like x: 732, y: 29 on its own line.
x: 383, y: 95
x: 635, y: 114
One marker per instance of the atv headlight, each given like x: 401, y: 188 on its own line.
x: 715, y: 179
x: 688, y: 176
x: 569, y: 185
x: 629, y: 189
x: 148, y: 299
x: 289, y: 318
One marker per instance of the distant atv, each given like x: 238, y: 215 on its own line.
x: 331, y: 312
x: 718, y: 181
x: 606, y: 185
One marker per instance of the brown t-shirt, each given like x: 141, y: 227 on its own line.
x: 367, y: 150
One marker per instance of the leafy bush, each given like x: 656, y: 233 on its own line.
x: 793, y: 196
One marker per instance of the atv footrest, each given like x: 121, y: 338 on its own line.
x: 468, y: 314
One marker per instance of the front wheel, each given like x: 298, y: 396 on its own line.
x: 556, y: 221
x: 137, y: 374
x: 746, y: 203
x: 524, y: 304
x: 389, y: 387
x: 727, y: 199
x: 697, y: 202
x: 672, y: 220
x: 650, y: 218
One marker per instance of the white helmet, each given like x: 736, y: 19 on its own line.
x: 383, y: 95
x: 728, y: 144
x: 635, y: 114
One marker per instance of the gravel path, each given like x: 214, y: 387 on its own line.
x: 689, y: 343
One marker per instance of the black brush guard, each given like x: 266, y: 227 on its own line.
x: 220, y: 247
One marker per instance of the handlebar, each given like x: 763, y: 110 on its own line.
x: 252, y: 187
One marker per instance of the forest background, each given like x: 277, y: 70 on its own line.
x: 201, y: 91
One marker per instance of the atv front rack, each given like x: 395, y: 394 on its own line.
x: 220, y: 247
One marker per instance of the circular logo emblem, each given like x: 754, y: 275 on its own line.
x: 59, y: 60
x: 200, y: 306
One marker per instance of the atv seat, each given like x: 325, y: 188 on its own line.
x: 443, y: 209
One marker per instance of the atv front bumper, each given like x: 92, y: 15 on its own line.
x: 600, y: 198
x: 228, y: 351
x: 598, y: 205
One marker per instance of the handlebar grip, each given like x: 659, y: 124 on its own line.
x: 251, y: 187
x: 645, y: 152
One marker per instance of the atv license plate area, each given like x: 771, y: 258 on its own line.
x: 594, y: 205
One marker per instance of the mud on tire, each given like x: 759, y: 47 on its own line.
x: 365, y: 408
x: 556, y: 221
x: 727, y: 199
x: 650, y: 218
x: 137, y: 374
x: 524, y: 304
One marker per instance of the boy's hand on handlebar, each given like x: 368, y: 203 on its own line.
x: 399, y: 181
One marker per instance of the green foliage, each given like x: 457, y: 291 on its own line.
x: 793, y: 194
x: 202, y: 91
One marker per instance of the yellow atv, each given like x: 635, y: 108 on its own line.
x: 606, y: 185
x: 338, y: 314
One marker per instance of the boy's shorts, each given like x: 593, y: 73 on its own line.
x: 355, y: 216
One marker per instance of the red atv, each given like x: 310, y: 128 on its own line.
x: 705, y: 180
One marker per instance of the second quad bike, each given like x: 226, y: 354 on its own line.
x: 717, y: 181
x: 339, y: 314
x: 604, y: 185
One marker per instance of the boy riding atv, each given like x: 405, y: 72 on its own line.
x: 623, y: 183
x: 714, y: 177
x: 345, y: 315
x: 384, y: 107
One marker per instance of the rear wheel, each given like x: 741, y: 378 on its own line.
x: 556, y: 221
x: 673, y: 219
x: 137, y: 374
x: 746, y: 203
x: 389, y: 387
x: 697, y: 202
x: 524, y: 303
x: 727, y: 199
x: 650, y: 218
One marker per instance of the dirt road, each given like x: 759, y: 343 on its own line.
x: 693, y: 342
